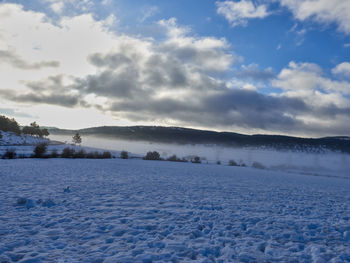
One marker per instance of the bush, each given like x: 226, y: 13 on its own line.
x: 242, y: 164
x: 92, y: 155
x: 232, y: 163
x: 218, y: 162
x: 174, y: 158
x: 9, y: 154
x: 68, y: 152
x: 80, y: 154
x: 40, y: 150
x: 124, y: 155
x: 196, y: 159
x: 152, y: 156
x: 106, y: 155
x: 258, y: 165
x: 54, y: 153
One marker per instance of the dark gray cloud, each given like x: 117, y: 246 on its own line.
x: 10, y: 57
x: 65, y: 100
x: 112, y: 61
x: 121, y: 84
x: 47, y: 91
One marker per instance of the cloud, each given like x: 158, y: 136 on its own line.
x: 325, y: 97
x: 69, y: 6
x: 14, y: 113
x: 253, y: 72
x: 308, y: 76
x: 40, y: 98
x: 180, y: 79
x: 10, y: 57
x: 321, y: 11
x: 342, y: 69
x: 47, y: 91
x: 238, y: 13
x: 149, y: 12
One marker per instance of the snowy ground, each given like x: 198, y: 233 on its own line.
x: 146, y: 211
x: 10, y: 139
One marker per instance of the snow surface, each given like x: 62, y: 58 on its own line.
x: 63, y: 210
x: 10, y: 138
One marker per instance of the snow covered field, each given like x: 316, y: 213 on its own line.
x: 145, y: 211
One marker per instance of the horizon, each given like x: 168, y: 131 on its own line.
x: 244, y: 66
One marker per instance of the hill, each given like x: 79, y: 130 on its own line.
x: 230, y: 139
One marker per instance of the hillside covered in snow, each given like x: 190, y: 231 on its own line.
x: 12, y: 139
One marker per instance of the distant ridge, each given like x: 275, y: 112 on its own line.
x: 193, y: 136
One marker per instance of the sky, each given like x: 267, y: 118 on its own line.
x: 249, y: 66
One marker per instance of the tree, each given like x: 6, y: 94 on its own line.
x: 34, y: 125
x: 124, y: 155
x: 40, y: 150
x: 45, y: 132
x: 34, y: 129
x: 152, y: 156
x: 9, y: 125
x: 77, y: 138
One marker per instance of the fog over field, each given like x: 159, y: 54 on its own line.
x: 328, y: 163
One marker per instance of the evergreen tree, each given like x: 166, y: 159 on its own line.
x: 77, y: 138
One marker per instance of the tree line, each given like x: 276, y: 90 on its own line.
x: 11, y: 125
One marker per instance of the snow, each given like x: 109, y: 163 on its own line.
x: 146, y: 211
x: 10, y: 139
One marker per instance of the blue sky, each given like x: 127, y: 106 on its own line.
x: 287, y: 60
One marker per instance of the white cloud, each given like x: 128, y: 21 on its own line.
x: 207, y: 53
x: 149, y: 12
x: 322, y: 11
x: 308, y: 76
x: 238, y: 13
x: 342, y: 69
x: 57, y: 7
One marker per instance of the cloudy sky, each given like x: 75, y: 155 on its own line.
x: 251, y: 66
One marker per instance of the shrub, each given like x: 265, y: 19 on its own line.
x: 242, y: 164
x: 232, y: 163
x: 92, y: 155
x: 196, y: 159
x: 80, y: 154
x: 218, y: 162
x: 174, y: 158
x: 40, y: 150
x: 54, y: 153
x: 124, y: 155
x: 68, y: 152
x: 258, y: 165
x: 106, y: 155
x: 152, y: 156
x: 9, y: 154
